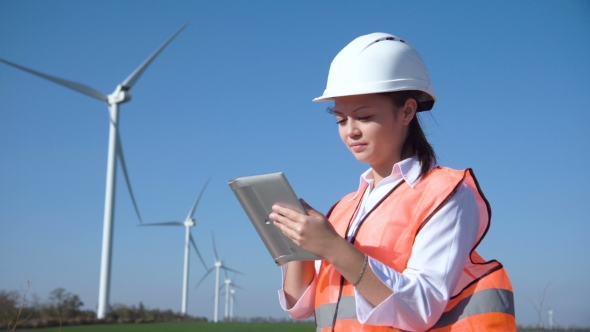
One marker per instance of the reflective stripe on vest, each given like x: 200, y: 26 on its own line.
x: 484, y: 301
x: 324, y: 315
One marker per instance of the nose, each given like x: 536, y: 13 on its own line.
x: 352, y: 129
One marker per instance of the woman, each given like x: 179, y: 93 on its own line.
x: 400, y: 251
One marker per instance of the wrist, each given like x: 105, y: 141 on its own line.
x: 360, y: 277
x: 339, y: 251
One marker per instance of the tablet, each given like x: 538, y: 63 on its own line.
x: 257, y: 194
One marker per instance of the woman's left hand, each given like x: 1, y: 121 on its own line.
x: 312, y: 232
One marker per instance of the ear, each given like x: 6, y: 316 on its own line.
x: 408, y: 111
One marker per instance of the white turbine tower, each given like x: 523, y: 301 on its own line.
x: 188, y: 223
x: 121, y: 95
x: 218, y: 265
x: 231, y: 303
x: 229, y: 297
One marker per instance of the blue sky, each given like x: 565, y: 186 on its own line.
x: 231, y: 96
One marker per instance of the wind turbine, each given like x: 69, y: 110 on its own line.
x: 188, y: 223
x: 231, y: 303
x: 229, y: 291
x: 218, y: 265
x: 121, y: 95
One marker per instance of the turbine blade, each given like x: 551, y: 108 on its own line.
x: 84, y: 89
x: 167, y: 223
x: 197, y: 250
x: 124, y: 166
x: 232, y: 270
x: 225, y: 274
x: 236, y: 286
x: 205, y: 276
x: 130, y: 81
x: 214, y: 249
x: 192, y: 211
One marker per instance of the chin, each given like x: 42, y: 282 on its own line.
x: 362, y: 159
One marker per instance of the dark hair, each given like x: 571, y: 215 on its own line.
x: 416, y: 143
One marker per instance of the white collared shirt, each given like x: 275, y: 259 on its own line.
x: 439, y: 253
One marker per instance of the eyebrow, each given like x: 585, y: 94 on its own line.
x: 335, y: 111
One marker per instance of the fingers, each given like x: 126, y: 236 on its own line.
x: 287, y: 212
x: 290, y: 228
x: 306, y: 206
x: 304, y: 203
x: 287, y: 221
x: 295, y: 221
x: 310, y: 211
x: 282, y: 219
x: 293, y: 235
x: 310, y: 231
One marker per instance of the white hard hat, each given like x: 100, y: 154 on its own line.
x: 376, y: 63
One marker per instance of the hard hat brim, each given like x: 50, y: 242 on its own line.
x: 424, y: 105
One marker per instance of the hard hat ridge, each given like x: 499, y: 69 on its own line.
x: 378, y: 63
x: 385, y: 38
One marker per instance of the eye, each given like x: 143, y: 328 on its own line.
x: 364, y: 118
x: 340, y: 121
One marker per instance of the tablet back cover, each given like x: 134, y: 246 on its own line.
x: 257, y: 194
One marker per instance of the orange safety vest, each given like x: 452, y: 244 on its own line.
x: 483, y: 298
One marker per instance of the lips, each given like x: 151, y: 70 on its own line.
x: 357, y: 147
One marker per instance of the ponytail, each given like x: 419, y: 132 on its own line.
x: 416, y: 143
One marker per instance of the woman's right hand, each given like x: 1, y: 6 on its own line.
x: 312, y: 232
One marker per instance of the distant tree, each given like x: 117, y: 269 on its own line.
x: 64, y: 308
x: 9, y: 301
x: 11, y: 308
x: 66, y: 304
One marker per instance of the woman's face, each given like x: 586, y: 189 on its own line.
x: 373, y: 128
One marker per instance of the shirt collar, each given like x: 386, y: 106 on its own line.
x: 407, y: 169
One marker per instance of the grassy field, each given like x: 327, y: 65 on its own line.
x: 183, y: 327
x: 196, y: 326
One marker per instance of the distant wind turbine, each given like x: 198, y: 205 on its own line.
x: 188, y: 223
x: 229, y: 293
x: 218, y: 264
x: 121, y: 95
x: 229, y: 297
x: 231, y: 303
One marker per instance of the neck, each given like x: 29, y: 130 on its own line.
x: 380, y: 172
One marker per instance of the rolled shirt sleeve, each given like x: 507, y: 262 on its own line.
x: 439, y: 253
x: 304, y: 308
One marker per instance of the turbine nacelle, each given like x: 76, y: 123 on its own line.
x: 190, y: 222
x: 121, y: 95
